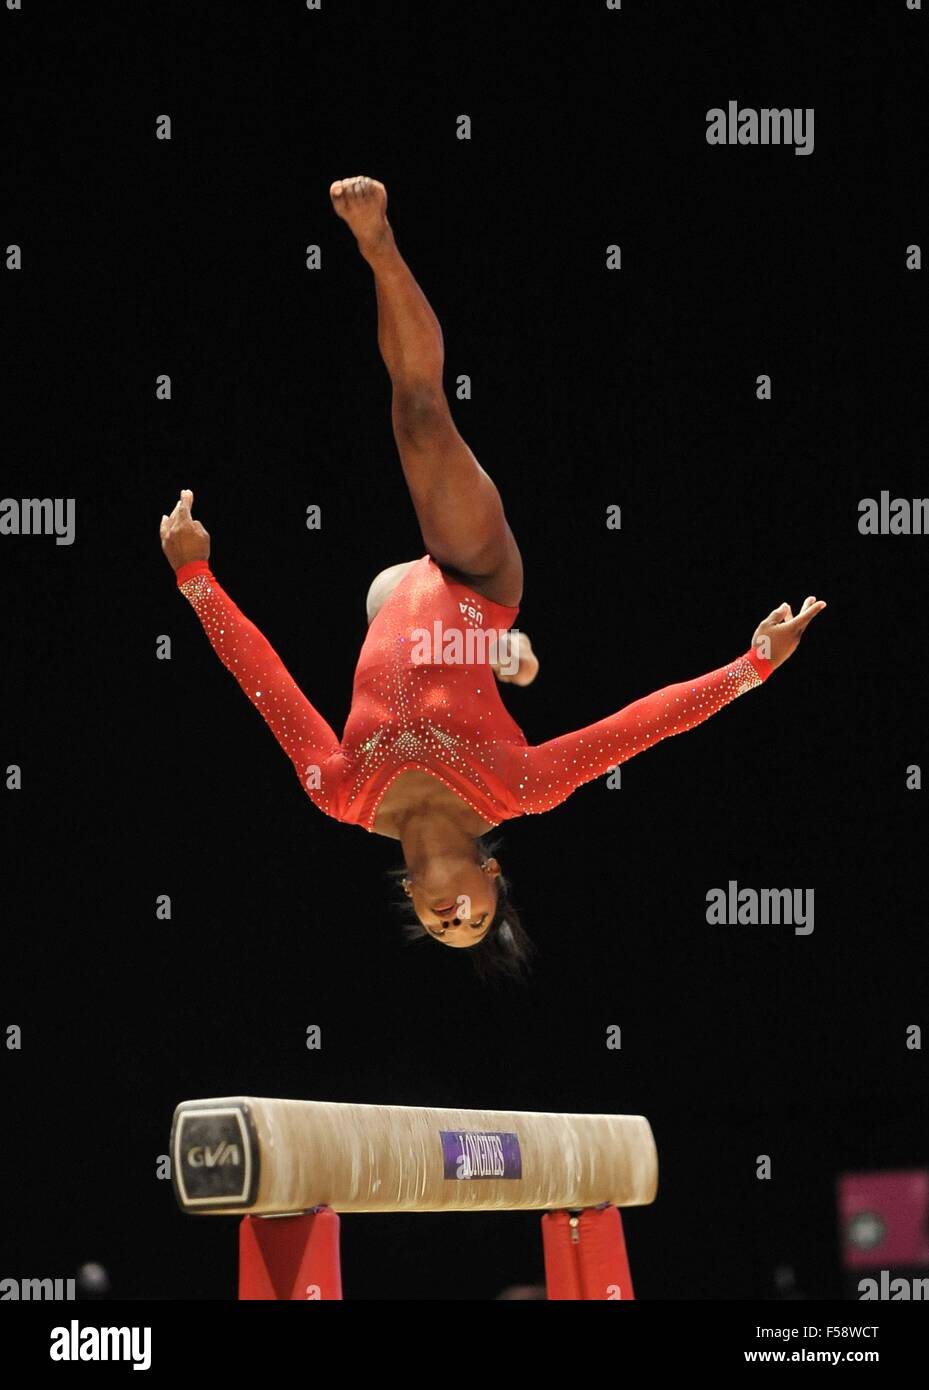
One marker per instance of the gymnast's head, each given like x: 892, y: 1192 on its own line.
x: 464, y: 902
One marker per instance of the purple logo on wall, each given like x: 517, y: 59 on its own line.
x: 485, y: 1155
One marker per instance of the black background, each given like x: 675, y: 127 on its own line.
x: 143, y: 777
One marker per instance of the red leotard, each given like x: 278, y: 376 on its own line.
x: 444, y: 717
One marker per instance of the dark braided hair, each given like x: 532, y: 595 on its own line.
x: 505, y: 949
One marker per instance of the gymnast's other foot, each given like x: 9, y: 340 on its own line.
x: 362, y: 203
x: 518, y: 664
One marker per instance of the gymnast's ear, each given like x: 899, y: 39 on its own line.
x: 491, y: 868
x: 407, y: 887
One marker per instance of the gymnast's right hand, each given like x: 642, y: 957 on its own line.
x: 182, y: 538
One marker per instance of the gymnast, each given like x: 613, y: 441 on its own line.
x: 429, y: 755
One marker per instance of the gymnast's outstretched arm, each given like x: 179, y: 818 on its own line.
x: 544, y: 776
x: 306, y: 738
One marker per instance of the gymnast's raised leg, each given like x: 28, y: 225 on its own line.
x: 460, y: 513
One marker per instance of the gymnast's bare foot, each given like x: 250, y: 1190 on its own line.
x: 507, y: 671
x: 362, y: 203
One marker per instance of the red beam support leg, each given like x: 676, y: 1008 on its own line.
x: 585, y: 1255
x: 290, y: 1257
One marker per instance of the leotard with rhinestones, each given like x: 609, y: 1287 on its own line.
x: 425, y: 698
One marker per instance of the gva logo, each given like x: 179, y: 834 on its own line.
x: 202, y: 1156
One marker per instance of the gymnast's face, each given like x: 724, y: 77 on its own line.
x: 455, y: 899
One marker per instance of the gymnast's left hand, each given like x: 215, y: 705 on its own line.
x: 182, y: 538
x: 779, y: 635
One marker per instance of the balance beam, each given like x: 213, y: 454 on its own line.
x: 282, y: 1157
